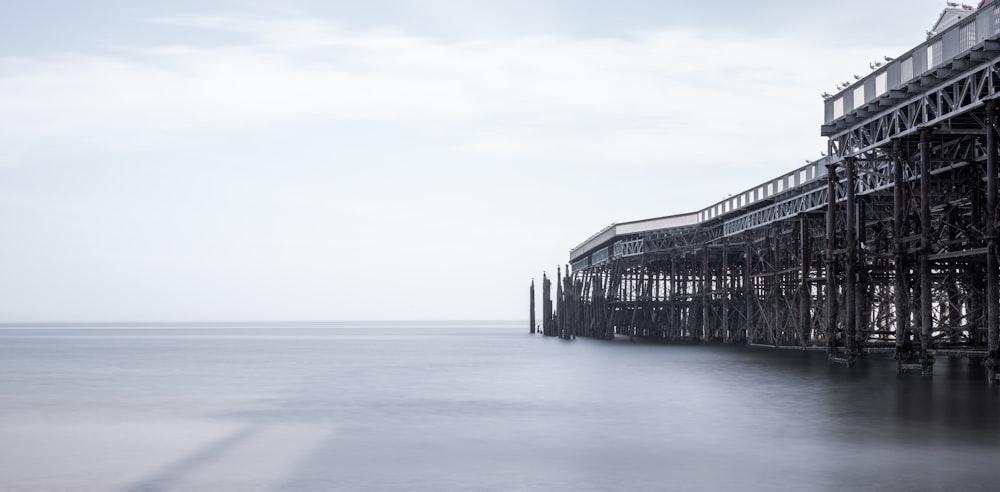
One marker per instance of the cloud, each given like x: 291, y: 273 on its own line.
x: 277, y: 164
x: 538, y: 96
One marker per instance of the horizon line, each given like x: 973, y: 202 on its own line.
x: 247, y: 322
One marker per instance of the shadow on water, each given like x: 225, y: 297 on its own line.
x: 168, y: 477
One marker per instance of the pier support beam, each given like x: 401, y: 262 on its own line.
x: 992, y: 271
x: 831, y: 266
x: 748, y: 288
x: 901, y: 309
x: 675, y: 310
x: 863, y: 280
x: 706, y: 298
x: 850, y: 287
x: 977, y: 278
x: 926, y: 308
x: 805, y: 300
x: 724, y: 287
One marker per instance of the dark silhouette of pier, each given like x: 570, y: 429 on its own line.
x: 886, y: 245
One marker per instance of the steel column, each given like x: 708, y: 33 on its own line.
x: 831, y: 281
x: 900, y: 294
x: 805, y: 321
x: 850, y: 273
x: 992, y: 272
x: 748, y: 287
x: 926, y: 308
x: 725, y: 290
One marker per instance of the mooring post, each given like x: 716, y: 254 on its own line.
x: 560, y: 312
x: 900, y: 291
x: 850, y: 273
x: 831, y: 267
x: 992, y: 272
x: 532, y: 304
x: 547, y: 321
x: 926, y: 299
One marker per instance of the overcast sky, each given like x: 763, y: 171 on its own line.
x: 388, y: 159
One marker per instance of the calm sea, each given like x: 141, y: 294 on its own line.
x: 471, y: 406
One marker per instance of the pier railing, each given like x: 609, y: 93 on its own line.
x: 755, y: 197
x: 919, y: 68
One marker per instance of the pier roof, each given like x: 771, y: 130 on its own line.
x: 961, y: 38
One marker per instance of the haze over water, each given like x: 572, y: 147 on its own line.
x: 470, y: 406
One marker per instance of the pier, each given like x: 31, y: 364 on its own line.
x: 886, y: 245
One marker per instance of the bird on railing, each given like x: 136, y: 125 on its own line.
x: 953, y: 4
x: 888, y: 58
x: 857, y: 77
x: 847, y: 84
x: 826, y: 95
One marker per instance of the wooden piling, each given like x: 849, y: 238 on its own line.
x: 532, y: 308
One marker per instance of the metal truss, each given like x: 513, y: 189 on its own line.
x: 941, y: 105
x: 627, y: 248
x: 874, y: 175
x: 808, y: 201
x: 701, y: 235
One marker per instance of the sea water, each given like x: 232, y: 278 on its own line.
x: 471, y: 406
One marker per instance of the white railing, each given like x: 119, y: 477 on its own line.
x: 731, y: 205
x: 972, y: 31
